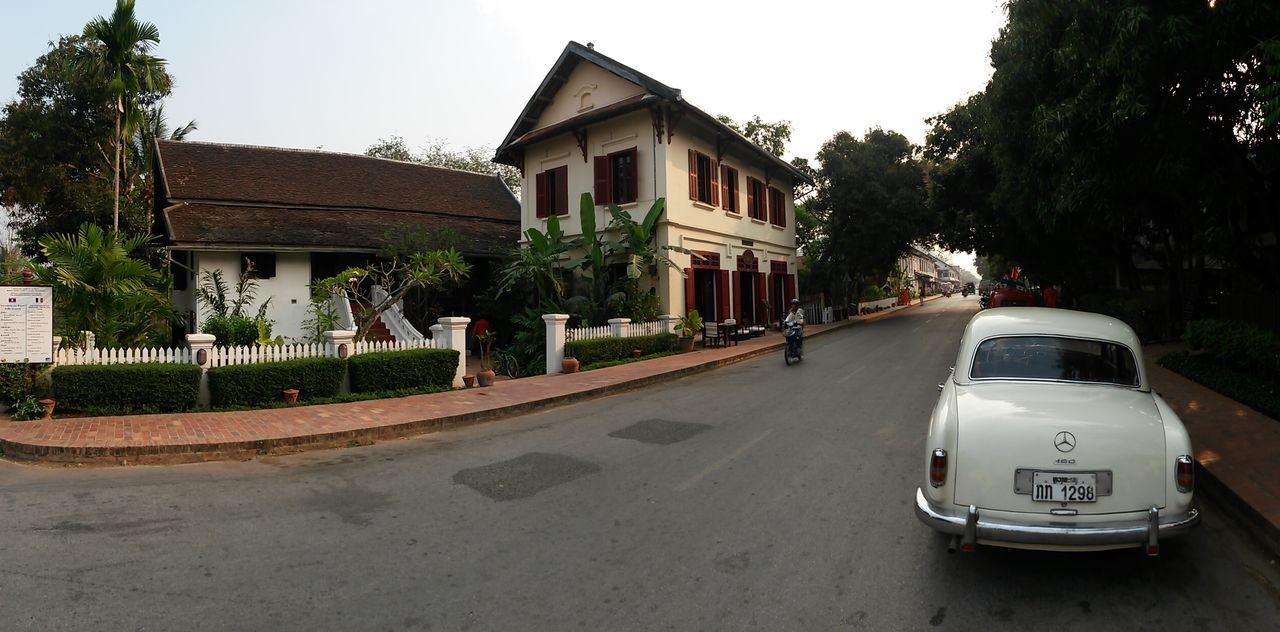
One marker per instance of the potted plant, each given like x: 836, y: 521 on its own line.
x: 486, y: 374
x: 688, y: 326
x: 569, y: 364
x: 290, y: 395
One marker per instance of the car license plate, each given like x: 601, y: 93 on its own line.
x: 1064, y: 487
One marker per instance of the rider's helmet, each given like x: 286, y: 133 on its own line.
x: 795, y: 301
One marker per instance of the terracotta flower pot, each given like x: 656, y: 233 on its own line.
x: 635, y: 353
x: 569, y: 365
x: 48, y: 408
x: 685, y: 344
x: 485, y: 377
x: 469, y: 380
x: 290, y: 395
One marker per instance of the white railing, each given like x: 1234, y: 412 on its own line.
x: 883, y: 303
x: 629, y: 330
x: 77, y: 356
x: 651, y: 328
x: 394, y: 318
x: 342, y: 309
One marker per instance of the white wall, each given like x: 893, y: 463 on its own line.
x: 288, y: 289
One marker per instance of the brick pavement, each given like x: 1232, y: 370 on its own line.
x: 202, y: 436
x: 1238, y: 448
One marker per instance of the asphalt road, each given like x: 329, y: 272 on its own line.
x: 754, y: 497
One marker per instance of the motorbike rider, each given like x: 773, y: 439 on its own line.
x: 796, y: 315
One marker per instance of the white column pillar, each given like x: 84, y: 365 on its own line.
x: 667, y: 323
x: 437, y: 336
x: 455, y: 337
x: 341, y: 342
x: 57, y: 343
x: 555, y: 341
x: 90, y: 341
x: 618, y: 327
x: 201, y: 346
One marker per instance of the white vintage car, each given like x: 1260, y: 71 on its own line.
x: 1047, y: 436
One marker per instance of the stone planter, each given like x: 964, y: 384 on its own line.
x: 684, y: 344
x: 485, y: 377
x: 569, y: 365
x: 290, y: 395
x: 48, y: 408
x: 469, y: 380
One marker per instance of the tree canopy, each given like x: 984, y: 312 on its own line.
x: 437, y: 153
x: 1138, y: 128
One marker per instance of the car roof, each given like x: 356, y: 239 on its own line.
x: 1044, y: 321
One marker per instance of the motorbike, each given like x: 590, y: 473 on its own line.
x: 794, y: 347
x: 984, y: 301
x: 964, y: 292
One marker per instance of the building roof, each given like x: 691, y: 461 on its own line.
x: 215, y: 194
x: 522, y: 132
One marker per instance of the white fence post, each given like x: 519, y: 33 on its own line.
x: 620, y: 327
x: 455, y: 337
x: 202, y: 356
x: 555, y: 341
x: 437, y: 336
x: 57, y: 343
x: 90, y: 341
x: 667, y: 323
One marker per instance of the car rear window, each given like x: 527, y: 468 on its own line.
x: 1054, y: 358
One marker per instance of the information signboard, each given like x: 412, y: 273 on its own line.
x: 26, y: 323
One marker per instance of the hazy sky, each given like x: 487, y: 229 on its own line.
x: 340, y: 75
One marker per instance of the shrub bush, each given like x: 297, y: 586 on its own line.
x: 252, y: 384
x: 1259, y: 393
x: 231, y: 331
x: 127, y: 387
x: 396, y: 370
x: 608, y: 349
x: 21, y: 381
x: 1237, y: 345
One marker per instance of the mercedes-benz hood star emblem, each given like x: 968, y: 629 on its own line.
x: 1064, y: 441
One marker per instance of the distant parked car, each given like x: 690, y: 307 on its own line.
x: 1047, y: 435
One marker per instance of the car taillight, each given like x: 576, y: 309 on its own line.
x: 1185, y: 473
x: 938, y: 468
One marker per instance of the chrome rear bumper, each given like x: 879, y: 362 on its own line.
x: 971, y: 526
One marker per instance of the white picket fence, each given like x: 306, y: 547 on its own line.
x: 629, y: 330
x: 230, y: 356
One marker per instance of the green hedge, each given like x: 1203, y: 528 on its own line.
x: 251, y: 384
x: 608, y: 349
x: 1237, y: 345
x: 395, y: 370
x: 1248, y: 388
x: 127, y: 387
x: 231, y: 331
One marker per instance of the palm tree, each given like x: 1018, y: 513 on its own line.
x: 140, y: 145
x: 100, y: 286
x: 117, y: 51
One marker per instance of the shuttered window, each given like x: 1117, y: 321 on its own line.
x: 756, y: 200
x: 777, y: 208
x: 616, y: 177
x: 729, y: 188
x: 552, y: 192
x: 704, y: 178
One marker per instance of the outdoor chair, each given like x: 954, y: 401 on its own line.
x: 731, y: 331
x: 714, y: 334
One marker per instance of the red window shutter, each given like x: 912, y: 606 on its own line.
x: 693, y: 175
x: 689, y: 305
x: 604, y: 188
x: 724, y: 187
x: 540, y: 194
x: 714, y: 171
x: 782, y: 210
x: 722, y: 294
x: 789, y: 286
x: 773, y: 206
x: 737, y: 296
x: 562, y: 191
x: 751, y: 196
x: 762, y: 291
x: 635, y: 175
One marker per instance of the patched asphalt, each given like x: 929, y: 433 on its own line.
x: 660, y: 431
x: 524, y: 475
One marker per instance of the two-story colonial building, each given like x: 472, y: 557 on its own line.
x: 596, y: 125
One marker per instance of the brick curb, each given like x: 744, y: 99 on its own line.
x: 171, y: 454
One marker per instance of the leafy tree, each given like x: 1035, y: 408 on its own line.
x: 772, y: 137
x: 397, y: 276
x: 870, y: 203
x: 116, y: 51
x: 55, y: 145
x: 437, y: 153
x: 1137, y: 128
x: 101, y: 285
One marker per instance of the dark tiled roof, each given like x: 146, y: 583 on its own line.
x: 196, y: 224
x: 269, y: 176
